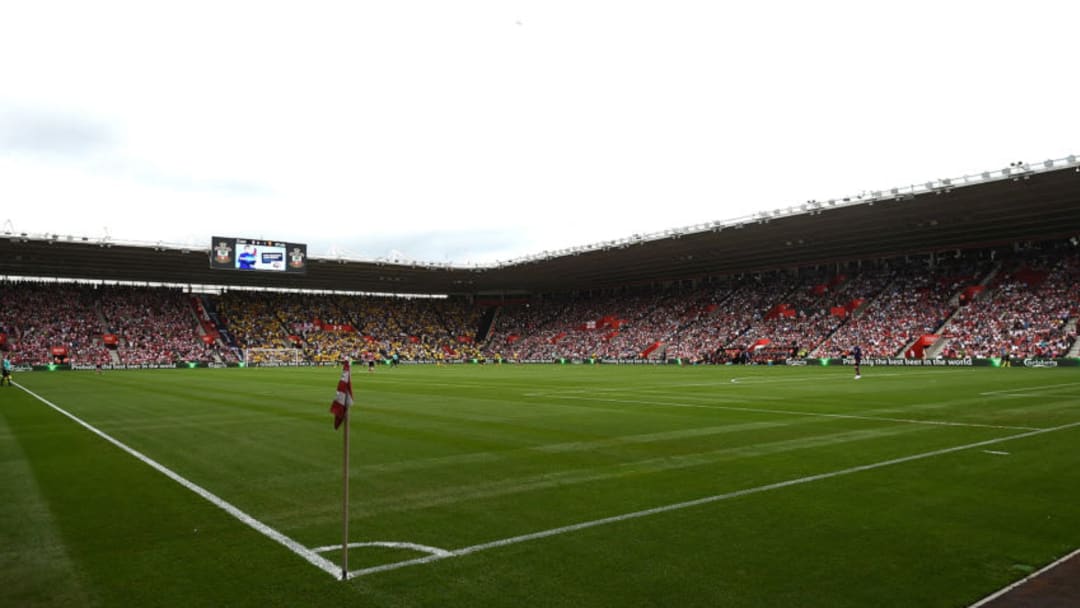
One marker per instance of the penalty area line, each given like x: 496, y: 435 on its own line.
x: 697, y: 502
x: 310, y: 556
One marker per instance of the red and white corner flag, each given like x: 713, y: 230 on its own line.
x: 344, y: 399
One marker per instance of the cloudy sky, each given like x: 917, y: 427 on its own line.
x: 476, y: 131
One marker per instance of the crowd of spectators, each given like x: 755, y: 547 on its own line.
x: 884, y: 307
x: 253, y: 319
x: 525, y: 330
x: 813, y: 319
x: 153, y: 325
x: 1024, y: 304
x: 693, y: 335
x: 328, y: 328
x: 601, y: 327
x: 1025, y: 313
x: 721, y: 334
x: 916, y: 301
x: 40, y: 317
x: 739, y: 317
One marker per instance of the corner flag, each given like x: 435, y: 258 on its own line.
x: 344, y: 399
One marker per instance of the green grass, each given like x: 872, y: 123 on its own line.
x: 459, y: 456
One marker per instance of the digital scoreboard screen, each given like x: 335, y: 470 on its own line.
x: 230, y: 253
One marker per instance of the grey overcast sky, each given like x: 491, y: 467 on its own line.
x: 475, y: 131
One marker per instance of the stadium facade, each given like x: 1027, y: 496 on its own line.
x: 1016, y: 204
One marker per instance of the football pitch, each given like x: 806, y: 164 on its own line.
x: 537, y: 485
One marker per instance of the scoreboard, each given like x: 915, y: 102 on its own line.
x: 230, y: 253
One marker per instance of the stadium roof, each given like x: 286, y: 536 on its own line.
x: 1022, y: 203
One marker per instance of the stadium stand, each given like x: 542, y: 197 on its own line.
x: 914, y: 302
x: 150, y: 325
x: 329, y: 328
x: 986, y: 303
x: 1026, y: 312
x: 153, y: 326
x: 53, y: 323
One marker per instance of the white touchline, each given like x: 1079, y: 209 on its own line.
x: 697, y: 502
x: 309, y: 555
x: 1035, y: 391
x: 1003, y: 591
x: 765, y: 410
x: 726, y: 382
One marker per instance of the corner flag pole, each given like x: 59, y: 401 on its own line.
x: 343, y: 402
x: 345, y: 507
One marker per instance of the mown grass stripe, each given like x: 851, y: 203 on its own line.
x: 700, y: 501
x: 35, y: 568
x: 300, y: 550
x: 759, y: 410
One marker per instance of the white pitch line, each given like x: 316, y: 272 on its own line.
x: 388, y: 544
x: 986, y: 600
x: 1022, y: 392
x: 762, y: 410
x: 996, y: 452
x: 697, y: 502
x: 719, y: 383
x: 309, y: 555
x: 844, y: 378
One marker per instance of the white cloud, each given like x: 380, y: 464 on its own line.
x: 546, y: 124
